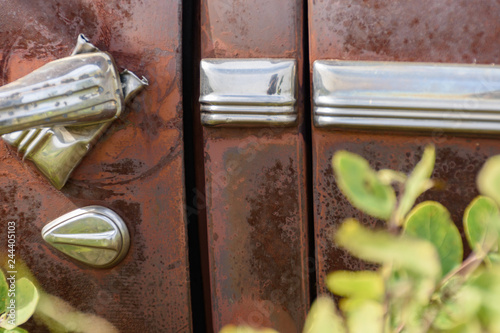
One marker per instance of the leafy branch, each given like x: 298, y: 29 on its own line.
x: 426, y: 285
x: 422, y: 283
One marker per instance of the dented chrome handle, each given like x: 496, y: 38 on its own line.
x: 84, y: 88
x: 57, y: 112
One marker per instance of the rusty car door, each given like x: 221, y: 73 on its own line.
x: 135, y: 169
x: 259, y: 144
x: 253, y: 152
x: 258, y: 172
x: 401, y: 34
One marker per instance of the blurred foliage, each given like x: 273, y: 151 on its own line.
x: 18, y: 301
x: 422, y: 283
x: 48, y: 310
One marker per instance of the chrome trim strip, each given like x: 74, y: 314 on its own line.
x: 409, y: 96
x: 216, y: 120
x: 248, y: 92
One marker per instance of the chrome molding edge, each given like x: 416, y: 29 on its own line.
x: 406, y: 96
x: 93, y: 235
x: 248, y: 92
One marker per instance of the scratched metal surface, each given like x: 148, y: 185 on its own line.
x: 255, y: 179
x: 136, y: 168
x: 420, y: 31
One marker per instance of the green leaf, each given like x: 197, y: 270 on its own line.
x: 431, y: 221
x: 389, y: 176
x: 323, y: 318
x: 14, y: 330
x: 399, y: 283
x: 418, y: 182
x: 487, y: 282
x: 360, y: 184
x: 363, y: 316
x: 408, y: 294
x: 488, y: 179
x: 493, y: 325
x: 414, y: 255
x: 494, y: 258
x: 362, y: 284
x: 4, y: 287
x: 60, y: 316
x: 479, y: 224
x: 26, y: 301
x: 473, y: 326
x: 462, y: 308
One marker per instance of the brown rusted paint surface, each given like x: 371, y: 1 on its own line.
x: 433, y: 31
x: 256, y: 213
x: 251, y: 29
x: 136, y: 169
x: 255, y: 180
x: 423, y: 31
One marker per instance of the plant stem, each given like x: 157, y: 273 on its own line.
x: 468, y: 266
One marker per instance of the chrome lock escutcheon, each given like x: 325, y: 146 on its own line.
x: 94, y: 235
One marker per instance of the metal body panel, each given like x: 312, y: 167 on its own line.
x: 136, y: 168
x: 410, y: 31
x: 256, y: 202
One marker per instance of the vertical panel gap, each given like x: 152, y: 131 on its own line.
x: 309, y: 157
x: 193, y: 169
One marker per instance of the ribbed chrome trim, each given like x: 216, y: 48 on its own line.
x: 408, y: 96
x: 248, y: 92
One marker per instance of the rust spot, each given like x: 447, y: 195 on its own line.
x: 74, y: 190
x: 152, y: 124
x: 358, y: 30
x: 275, y: 259
x: 126, y: 166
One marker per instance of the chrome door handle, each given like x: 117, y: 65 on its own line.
x: 82, y: 89
x: 248, y: 92
x: 93, y: 235
x: 408, y: 96
x: 55, y: 113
